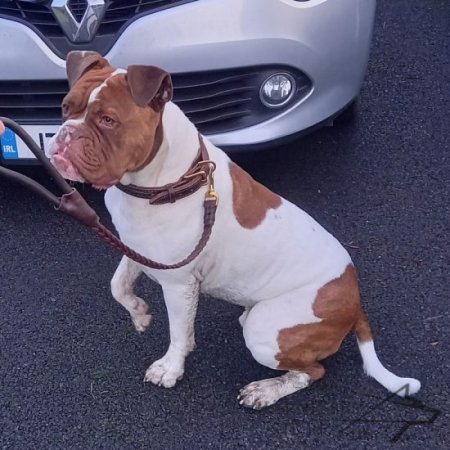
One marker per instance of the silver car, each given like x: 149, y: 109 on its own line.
x: 248, y: 73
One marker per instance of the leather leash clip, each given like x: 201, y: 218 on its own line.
x: 207, y: 178
x: 211, y: 193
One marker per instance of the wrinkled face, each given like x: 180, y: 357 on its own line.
x: 112, y: 120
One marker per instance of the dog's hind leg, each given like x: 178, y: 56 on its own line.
x: 122, y: 290
x: 181, y: 303
x: 261, y: 334
x: 297, y: 330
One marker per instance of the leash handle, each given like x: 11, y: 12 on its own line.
x: 29, y: 142
x: 31, y: 184
x: 74, y: 205
x: 18, y: 177
x: 71, y: 202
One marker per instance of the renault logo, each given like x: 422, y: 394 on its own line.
x: 85, y: 29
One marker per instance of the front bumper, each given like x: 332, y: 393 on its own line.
x: 328, y: 40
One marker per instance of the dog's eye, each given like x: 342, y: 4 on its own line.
x: 107, y: 121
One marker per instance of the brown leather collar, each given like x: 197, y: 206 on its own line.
x: 198, y: 175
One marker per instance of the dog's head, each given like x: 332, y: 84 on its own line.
x: 112, y: 119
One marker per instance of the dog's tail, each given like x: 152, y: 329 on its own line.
x: 373, y: 366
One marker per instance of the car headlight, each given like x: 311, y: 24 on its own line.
x: 277, y: 90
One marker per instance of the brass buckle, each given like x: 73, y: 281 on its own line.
x: 200, y: 173
x: 208, y: 178
x: 210, y: 162
x: 211, y: 193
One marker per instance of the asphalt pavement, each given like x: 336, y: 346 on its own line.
x: 71, y: 365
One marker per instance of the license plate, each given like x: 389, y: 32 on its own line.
x: 13, y: 148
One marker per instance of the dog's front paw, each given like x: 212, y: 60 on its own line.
x: 140, y: 315
x: 141, y: 322
x: 163, y: 373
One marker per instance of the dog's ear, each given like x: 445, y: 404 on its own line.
x: 80, y: 62
x: 150, y: 86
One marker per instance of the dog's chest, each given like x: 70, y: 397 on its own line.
x: 159, y: 232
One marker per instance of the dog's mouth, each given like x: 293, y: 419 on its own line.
x: 66, y: 168
x: 72, y: 168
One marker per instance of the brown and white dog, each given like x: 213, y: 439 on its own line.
x: 296, y: 282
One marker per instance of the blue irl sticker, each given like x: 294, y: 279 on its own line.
x: 9, y: 145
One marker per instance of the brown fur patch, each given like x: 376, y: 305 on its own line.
x: 338, y: 305
x: 157, y: 142
x: 138, y: 131
x: 103, y: 154
x: 251, y: 200
x: 76, y: 100
x: 362, y: 328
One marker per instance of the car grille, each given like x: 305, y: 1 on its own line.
x: 78, y: 7
x: 119, y: 14
x: 215, y: 102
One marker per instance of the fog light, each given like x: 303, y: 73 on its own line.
x: 277, y: 90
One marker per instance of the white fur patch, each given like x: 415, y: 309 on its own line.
x: 94, y: 94
x: 374, y: 368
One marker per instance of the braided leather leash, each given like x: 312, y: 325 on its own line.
x: 74, y: 205
x: 208, y: 221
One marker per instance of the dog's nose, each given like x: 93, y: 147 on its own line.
x: 69, y: 133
